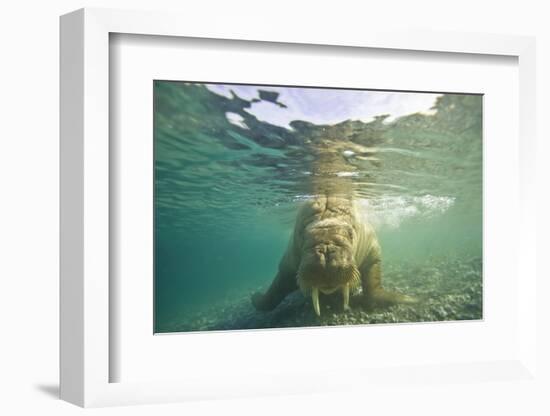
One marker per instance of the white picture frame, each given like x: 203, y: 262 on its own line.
x: 85, y: 211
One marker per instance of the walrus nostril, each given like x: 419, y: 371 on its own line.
x: 320, y: 257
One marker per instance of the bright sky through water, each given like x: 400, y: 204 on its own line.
x: 328, y: 106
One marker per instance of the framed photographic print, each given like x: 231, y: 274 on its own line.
x: 242, y: 215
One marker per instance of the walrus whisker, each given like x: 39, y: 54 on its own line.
x: 355, y: 278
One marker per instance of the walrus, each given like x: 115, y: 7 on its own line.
x: 332, y: 248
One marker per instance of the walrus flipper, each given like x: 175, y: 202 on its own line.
x: 283, y: 284
x: 371, y: 282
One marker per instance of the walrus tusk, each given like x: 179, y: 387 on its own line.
x: 315, y: 299
x: 345, y: 292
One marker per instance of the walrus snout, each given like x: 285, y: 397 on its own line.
x: 330, y: 256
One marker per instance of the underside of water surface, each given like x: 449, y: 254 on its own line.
x: 233, y: 164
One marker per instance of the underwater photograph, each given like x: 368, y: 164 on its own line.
x: 285, y: 206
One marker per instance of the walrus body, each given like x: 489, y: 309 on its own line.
x: 332, y: 249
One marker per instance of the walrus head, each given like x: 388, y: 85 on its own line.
x: 327, y: 261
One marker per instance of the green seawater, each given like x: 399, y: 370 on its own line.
x: 228, y: 186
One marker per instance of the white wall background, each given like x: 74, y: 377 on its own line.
x: 29, y: 206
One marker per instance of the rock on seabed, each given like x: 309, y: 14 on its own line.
x: 448, y: 290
